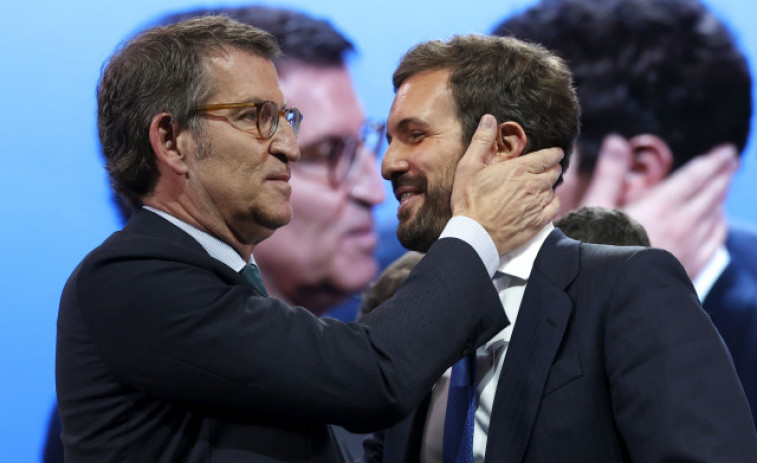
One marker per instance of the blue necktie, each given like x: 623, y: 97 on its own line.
x: 461, y: 412
x: 252, y: 274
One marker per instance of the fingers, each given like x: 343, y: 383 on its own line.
x: 543, y: 165
x: 709, y: 197
x: 550, y: 210
x: 699, y: 173
x: 684, y: 213
x: 483, y: 145
x: 512, y: 200
x: 540, y: 161
x: 687, y: 198
x: 702, y: 242
x: 613, y: 164
x: 481, y: 150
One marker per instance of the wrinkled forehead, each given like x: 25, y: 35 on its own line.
x: 237, y: 76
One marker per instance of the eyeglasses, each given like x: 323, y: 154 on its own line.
x: 260, y: 119
x: 336, y: 159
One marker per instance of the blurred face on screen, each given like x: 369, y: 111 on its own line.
x: 574, y: 186
x: 326, y: 253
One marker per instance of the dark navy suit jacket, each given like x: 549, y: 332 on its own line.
x: 165, y: 354
x: 732, y: 304
x: 611, y: 360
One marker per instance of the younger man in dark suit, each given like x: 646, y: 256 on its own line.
x: 608, y: 356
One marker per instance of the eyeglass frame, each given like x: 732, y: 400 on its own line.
x: 351, y: 143
x: 286, y: 113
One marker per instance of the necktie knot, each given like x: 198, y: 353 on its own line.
x: 252, y: 274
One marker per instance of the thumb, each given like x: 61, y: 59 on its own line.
x: 483, y: 145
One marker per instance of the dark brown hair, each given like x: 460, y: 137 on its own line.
x: 508, y: 78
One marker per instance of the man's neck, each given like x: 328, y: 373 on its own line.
x: 212, y: 227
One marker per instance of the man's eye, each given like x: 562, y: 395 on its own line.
x: 319, y: 152
x: 247, y: 115
x: 415, y: 135
x: 329, y: 152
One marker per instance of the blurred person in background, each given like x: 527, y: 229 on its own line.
x: 600, y: 225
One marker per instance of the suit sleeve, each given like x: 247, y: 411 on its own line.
x: 675, y: 394
x: 178, y: 331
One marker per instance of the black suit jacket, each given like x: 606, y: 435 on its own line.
x: 165, y: 354
x: 611, y: 360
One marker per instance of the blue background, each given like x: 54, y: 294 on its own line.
x: 56, y: 194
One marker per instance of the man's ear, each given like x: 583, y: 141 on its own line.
x: 164, y: 139
x: 511, y: 140
x: 652, y: 161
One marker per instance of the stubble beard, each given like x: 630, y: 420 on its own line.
x: 418, y: 233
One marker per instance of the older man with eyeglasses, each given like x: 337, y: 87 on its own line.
x: 326, y: 253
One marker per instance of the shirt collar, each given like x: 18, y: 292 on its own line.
x: 519, y: 262
x: 715, y: 267
x: 216, y: 248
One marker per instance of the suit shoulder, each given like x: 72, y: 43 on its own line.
x: 625, y: 255
x: 630, y: 264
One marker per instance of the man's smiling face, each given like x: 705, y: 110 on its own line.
x: 425, y: 144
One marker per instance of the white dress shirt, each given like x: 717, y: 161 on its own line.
x: 706, y: 279
x: 216, y: 248
x: 510, y: 281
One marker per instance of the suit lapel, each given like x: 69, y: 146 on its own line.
x: 539, y: 329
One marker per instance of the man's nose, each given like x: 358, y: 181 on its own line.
x: 367, y: 186
x: 285, y: 142
x: 393, y: 163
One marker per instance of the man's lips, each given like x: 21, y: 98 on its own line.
x: 363, y: 234
x: 407, y: 196
x: 406, y: 187
x: 404, y: 192
x: 280, y: 181
x: 282, y: 176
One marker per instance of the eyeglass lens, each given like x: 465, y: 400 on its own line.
x: 268, y: 115
x: 337, y: 159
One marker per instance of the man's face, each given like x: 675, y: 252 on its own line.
x: 238, y: 182
x: 425, y: 146
x: 327, y: 251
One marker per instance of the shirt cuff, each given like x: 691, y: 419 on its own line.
x: 474, y: 234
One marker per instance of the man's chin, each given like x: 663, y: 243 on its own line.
x: 415, y: 241
x: 267, y: 225
x: 417, y: 232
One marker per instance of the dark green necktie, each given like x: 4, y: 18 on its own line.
x: 252, y: 274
